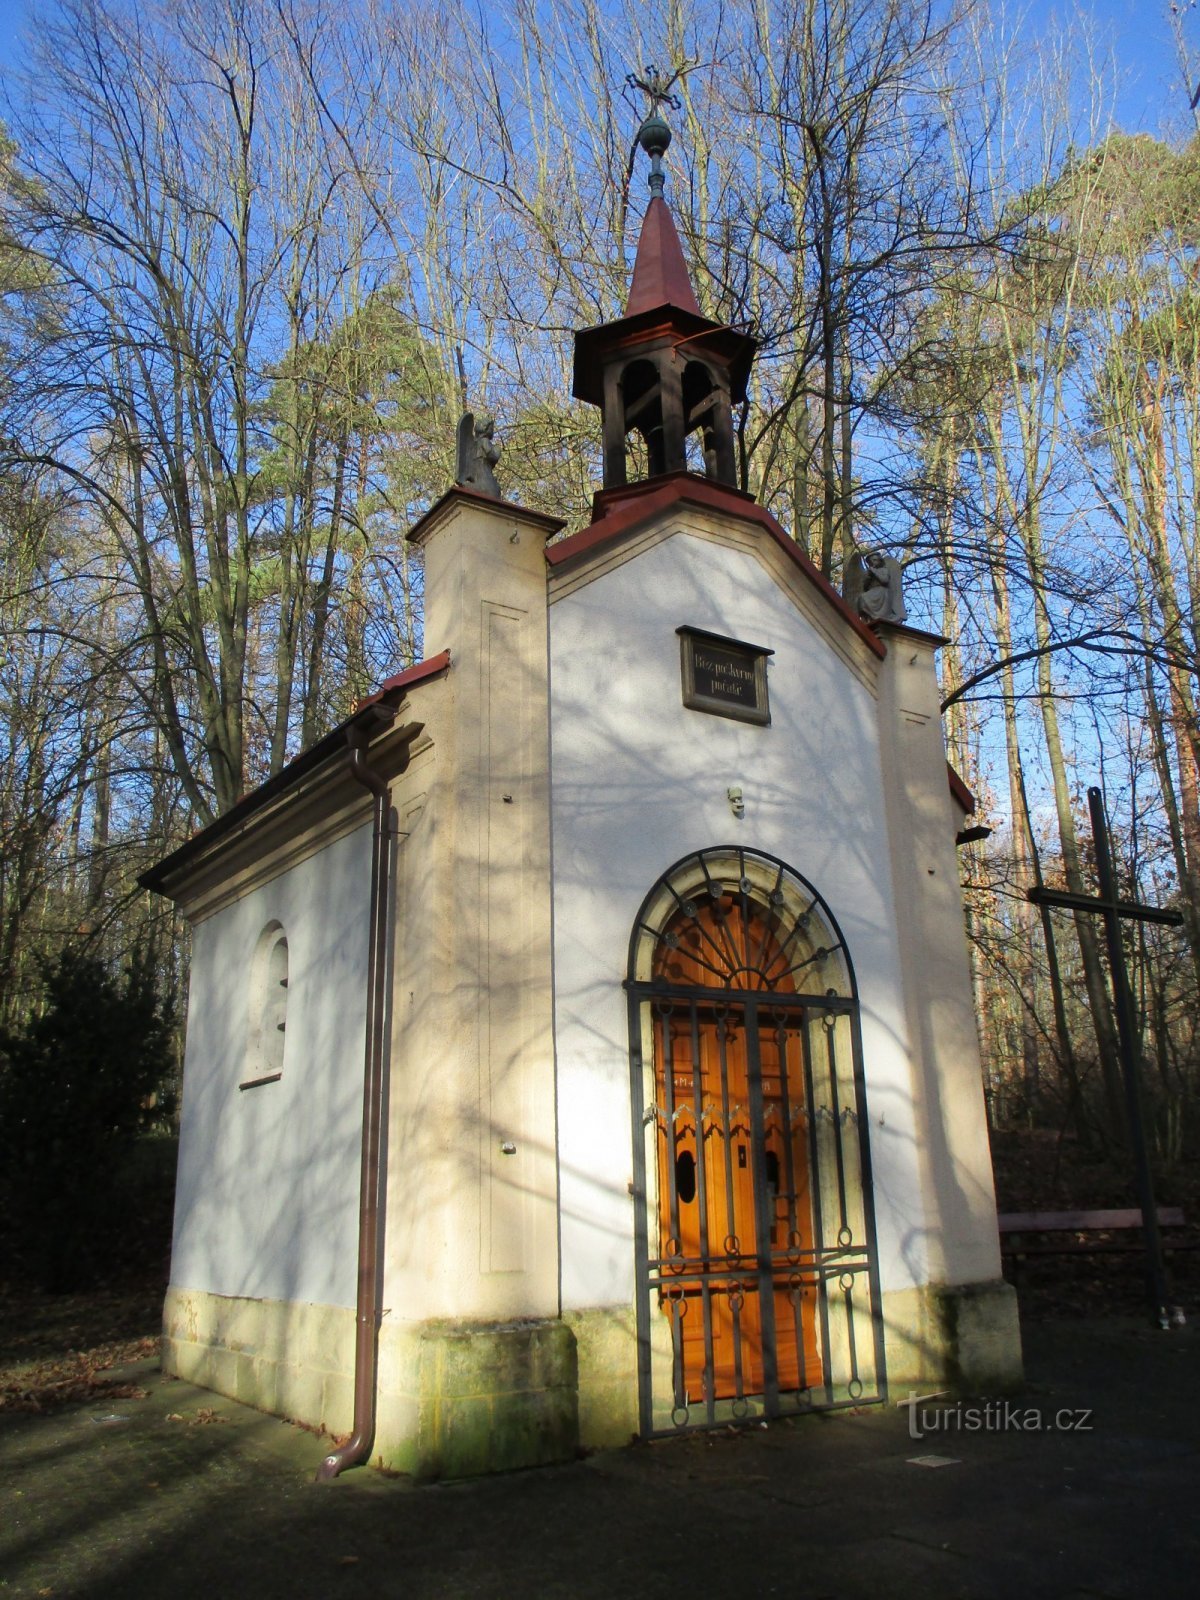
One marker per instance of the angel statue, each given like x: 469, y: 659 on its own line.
x: 478, y: 453
x: 873, y: 586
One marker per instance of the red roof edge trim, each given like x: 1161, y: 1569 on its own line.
x: 962, y: 795
x: 401, y: 680
x: 686, y: 488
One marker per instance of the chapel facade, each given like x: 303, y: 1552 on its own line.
x: 580, y: 1040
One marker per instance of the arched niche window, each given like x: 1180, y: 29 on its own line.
x: 268, y: 998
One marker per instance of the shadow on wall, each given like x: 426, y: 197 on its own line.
x: 269, y: 1205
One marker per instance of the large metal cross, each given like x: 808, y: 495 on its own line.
x: 1112, y: 908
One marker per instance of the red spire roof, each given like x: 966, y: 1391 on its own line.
x: 660, y: 274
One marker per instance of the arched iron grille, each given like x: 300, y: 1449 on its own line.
x: 758, y: 1288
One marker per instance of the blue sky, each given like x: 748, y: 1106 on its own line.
x: 1150, y: 87
x: 1150, y: 92
x: 1137, y: 31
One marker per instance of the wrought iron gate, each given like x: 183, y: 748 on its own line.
x: 758, y: 1289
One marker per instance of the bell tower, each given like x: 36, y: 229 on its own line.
x: 663, y: 371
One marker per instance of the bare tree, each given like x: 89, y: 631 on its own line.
x: 192, y: 220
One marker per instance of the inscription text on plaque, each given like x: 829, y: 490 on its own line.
x: 725, y: 677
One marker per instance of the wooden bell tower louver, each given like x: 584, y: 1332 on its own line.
x: 663, y: 370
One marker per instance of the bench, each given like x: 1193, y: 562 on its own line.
x: 1044, y: 1233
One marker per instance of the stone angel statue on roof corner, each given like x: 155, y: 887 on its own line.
x: 478, y: 454
x: 873, y: 586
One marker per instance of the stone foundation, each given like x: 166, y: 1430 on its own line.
x: 281, y: 1356
x: 454, y: 1399
x: 606, y: 1341
x: 965, y: 1337
x: 492, y: 1397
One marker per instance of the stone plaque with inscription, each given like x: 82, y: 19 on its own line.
x: 726, y: 677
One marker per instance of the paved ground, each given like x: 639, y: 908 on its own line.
x: 183, y: 1493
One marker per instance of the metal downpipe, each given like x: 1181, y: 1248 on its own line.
x: 358, y: 1446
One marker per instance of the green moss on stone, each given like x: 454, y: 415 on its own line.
x: 495, y: 1397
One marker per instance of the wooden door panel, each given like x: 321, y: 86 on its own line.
x: 715, y: 1239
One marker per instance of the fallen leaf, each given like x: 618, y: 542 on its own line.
x: 207, y: 1414
x: 74, y: 1377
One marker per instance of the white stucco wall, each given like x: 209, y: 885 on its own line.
x: 267, y: 1195
x: 639, y: 781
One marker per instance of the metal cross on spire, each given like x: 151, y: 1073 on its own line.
x: 1108, y: 905
x: 654, y: 136
x: 657, y: 86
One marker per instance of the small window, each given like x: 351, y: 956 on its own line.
x: 268, y: 1009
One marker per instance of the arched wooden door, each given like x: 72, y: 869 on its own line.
x: 750, y: 1150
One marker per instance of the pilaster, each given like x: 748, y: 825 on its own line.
x: 962, y: 1245
x: 473, y: 1212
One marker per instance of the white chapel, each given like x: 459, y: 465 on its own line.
x: 580, y: 1042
